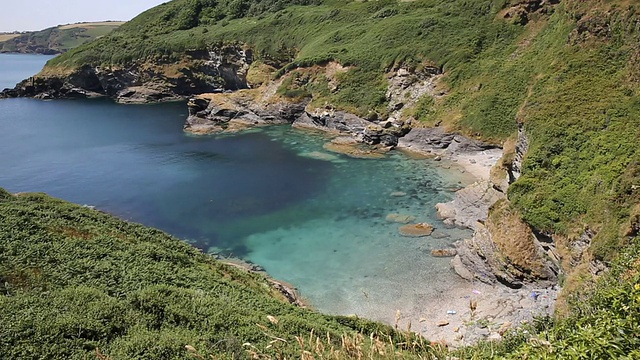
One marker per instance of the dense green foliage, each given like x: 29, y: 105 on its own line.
x: 573, y: 84
x: 373, y: 36
x: 57, y: 39
x: 583, y: 118
x: 73, y: 280
x: 571, y: 77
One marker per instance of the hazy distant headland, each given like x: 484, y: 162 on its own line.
x: 55, y: 40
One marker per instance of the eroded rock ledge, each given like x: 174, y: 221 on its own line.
x: 220, y: 69
x: 503, y: 248
x: 216, y: 113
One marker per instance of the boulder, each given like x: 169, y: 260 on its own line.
x: 470, y: 205
x: 444, y: 252
x: 416, y: 230
x: 400, y: 218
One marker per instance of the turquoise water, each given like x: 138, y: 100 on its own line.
x: 260, y: 195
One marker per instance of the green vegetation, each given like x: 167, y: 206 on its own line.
x: 604, y: 322
x: 570, y: 74
x: 374, y: 37
x: 75, y: 282
x: 57, y: 39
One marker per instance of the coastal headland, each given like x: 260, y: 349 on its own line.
x: 536, y: 100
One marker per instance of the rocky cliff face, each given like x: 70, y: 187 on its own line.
x: 500, y: 251
x: 218, y: 70
x: 231, y: 111
x: 503, y: 249
x: 514, y: 169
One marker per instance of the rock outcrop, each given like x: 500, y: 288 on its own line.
x: 523, y: 11
x: 407, y: 87
x: 227, y: 112
x: 218, y: 70
x: 438, y: 141
x: 522, y: 146
x: 504, y: 249
x: 470, y: 207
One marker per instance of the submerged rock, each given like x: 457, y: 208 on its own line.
x: 416, y: 230
x: 444, y: 252
x: 400, y: 218
x: 319, y: 155
x: 358, y: 151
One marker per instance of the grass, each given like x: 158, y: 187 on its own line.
x: 76, y: 282
x: 5, y: 37
x: 80, y: 284
x: 57, y: 39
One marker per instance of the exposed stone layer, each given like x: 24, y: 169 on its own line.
x: 218, y: 70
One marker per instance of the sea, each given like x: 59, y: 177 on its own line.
x: 271, y: 196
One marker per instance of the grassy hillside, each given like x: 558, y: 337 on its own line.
x: 75, y: 281
x: 373, y: 36
x: 569, y: 72
x: 55, y: 40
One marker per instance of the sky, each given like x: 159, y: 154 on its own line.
x: 28, y: 15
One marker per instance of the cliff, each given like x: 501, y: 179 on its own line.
x: 554, y: 83
x: 55, y: 40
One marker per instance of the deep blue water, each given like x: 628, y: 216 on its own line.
x: 262, y: 195
x: 17, y: 67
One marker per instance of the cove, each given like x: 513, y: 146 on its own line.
x: 272, y: 196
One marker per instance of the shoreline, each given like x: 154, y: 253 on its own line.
x: 497, y: 307
x: 449, y: 317
x: 472, y: 311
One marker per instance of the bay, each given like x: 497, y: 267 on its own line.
x: 272, y: 196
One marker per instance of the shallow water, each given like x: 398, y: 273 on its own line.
x: 272, y: 196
